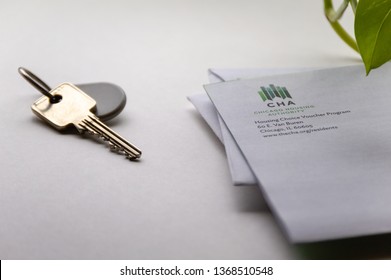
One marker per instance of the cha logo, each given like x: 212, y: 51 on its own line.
x: 275, y: 96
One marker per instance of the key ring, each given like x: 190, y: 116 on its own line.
x: 40, y: 85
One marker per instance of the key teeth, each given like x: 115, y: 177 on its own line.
x: 131, y: 157
x: 87, y: 127
x: 121, y: 151
x: 88, y: 130
x: 112, y: 146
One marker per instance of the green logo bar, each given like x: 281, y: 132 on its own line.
x: 271, y: 92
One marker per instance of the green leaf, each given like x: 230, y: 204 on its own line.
x: 373, y: 32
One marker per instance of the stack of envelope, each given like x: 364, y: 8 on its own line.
x: 316, y: 141
x: 240, y: 171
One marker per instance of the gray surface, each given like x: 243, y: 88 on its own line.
x: 63, y: 196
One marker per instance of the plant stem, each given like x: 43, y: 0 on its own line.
x: 332, y: 16
x: 353, y: 3
x: 336, y: 15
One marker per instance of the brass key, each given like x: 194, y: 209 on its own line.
x: 69, y: 106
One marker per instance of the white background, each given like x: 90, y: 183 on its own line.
x: 67, y: 197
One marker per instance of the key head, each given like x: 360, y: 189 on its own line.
x: 70, y: 110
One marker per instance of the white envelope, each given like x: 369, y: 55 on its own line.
x: 323, y: 157
x: 240, y: 171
